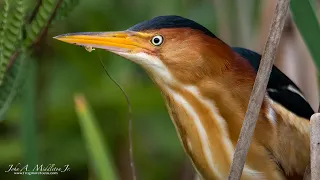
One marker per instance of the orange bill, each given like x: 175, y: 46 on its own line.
x: 120, y: 41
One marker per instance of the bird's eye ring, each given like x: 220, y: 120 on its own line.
x: 157, y: 40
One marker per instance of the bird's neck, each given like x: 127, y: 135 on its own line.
x: 208, y: 117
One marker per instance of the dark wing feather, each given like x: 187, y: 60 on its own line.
x: 280, y: 88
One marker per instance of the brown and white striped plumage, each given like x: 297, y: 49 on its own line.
x: 206, y: 87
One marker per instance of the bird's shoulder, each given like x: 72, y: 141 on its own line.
x: 280, y: 87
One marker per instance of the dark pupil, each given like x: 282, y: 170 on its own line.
x: 156, y: 40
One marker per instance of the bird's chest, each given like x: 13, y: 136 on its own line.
x: 186, y: 132
x: 200, y: 130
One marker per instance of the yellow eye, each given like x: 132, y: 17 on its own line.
x: 157, y: 40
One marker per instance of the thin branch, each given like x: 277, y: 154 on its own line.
x: 35, y: 11
x: 13, y: 58
x: 259, y: 89
x: 315, y: 146
x: 46, y: 27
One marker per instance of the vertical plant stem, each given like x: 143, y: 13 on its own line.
x: 243, y: 20
x: 29, y: 124
x: 259, y: 90
x: 224, y: 29
x: 233, y: 22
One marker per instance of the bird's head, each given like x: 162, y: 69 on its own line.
x: 170, y: 48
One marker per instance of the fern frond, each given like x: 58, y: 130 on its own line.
x: 4, y: 16
x: 41, y: 20
x: 4, y: 25
x: 11, y: 21
x: 13, y: 81
x: 11, y: 32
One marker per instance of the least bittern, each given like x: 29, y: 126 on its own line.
x: 206, y: 85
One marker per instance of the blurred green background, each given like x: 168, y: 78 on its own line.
x: 58, y: 70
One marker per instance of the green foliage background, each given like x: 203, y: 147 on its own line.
x: 42, y: 127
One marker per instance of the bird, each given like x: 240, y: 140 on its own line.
x: 206, y: 85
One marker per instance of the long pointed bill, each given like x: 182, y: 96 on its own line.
x: 117, y: 42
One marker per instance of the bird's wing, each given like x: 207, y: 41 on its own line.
x: 291, y: 143
x: 280, y: 88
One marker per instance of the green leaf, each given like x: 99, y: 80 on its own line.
x: 13, y: 81
x: 308, y: 25
x: 94, y: 141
